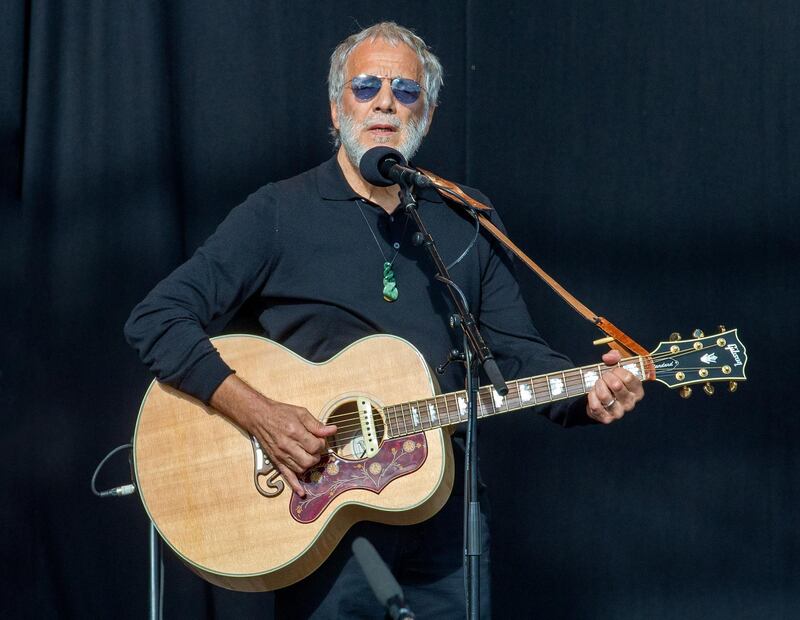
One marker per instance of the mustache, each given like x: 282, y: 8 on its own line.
x: 382, y: 119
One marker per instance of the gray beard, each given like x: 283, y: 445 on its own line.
x: 348, y: 134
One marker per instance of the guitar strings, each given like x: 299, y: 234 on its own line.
x: 406, y: 419
x: 400, y: 418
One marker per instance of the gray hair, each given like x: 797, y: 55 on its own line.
x: 393, y: 34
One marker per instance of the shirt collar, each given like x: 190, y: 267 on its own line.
x: 332, y: 185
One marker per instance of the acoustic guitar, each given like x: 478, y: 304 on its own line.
x: 216, y: 500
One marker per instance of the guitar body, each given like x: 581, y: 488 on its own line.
x: 197, y: 472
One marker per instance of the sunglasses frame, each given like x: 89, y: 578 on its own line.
x: 392, y: 83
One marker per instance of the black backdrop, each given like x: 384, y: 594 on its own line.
x: 645, y: 152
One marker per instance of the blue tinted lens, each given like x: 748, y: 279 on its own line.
x: 405, y: 90
x: 365, y: 87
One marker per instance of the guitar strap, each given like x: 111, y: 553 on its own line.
x: 615, y: 337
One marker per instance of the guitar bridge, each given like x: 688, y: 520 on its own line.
x: 265, y: 473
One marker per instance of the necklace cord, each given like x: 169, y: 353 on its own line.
x: 390, y: 291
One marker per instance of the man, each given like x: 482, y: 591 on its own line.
x: 309, y: 251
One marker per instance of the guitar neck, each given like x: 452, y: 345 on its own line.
x: 449, y: 409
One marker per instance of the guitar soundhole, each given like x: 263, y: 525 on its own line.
x: 349, y: 442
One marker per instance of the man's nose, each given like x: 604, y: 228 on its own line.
x: 384, y: 100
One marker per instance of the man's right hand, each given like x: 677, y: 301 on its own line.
x: 292, y: 437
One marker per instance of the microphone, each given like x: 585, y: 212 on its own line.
x: 380, y: 578
x: 383, y: 166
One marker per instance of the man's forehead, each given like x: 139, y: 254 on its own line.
x: 379, y: 57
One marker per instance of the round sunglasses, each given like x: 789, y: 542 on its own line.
x: 366, y: 87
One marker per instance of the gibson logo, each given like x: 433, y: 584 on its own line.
x: 667, y: 364
x: 733, y: 349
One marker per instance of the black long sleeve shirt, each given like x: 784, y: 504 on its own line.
x: 308, y: 254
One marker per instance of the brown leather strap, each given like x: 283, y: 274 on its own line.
x: 620, y: 341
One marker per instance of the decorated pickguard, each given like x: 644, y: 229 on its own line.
x: 332, y: 476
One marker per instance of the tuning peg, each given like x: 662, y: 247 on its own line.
x: 685, y: 391
x: 733, y: 386
x: 708, y: 389
x: 721, y: 328
x: 698, y: 333
x: 674, y: 336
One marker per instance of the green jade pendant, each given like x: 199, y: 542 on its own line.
x: 389, y: 284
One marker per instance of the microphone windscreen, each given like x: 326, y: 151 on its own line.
x: 372, y: 162
x: 379, y: 577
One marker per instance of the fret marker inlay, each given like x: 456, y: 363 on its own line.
x: 556, y: 386
x: 415, y: 416
x: 632, y: 368
x: 462, y: 406
x: 432, y: 412
x: 525, y: 393
x: 498, y: 400
x: 590, y: 377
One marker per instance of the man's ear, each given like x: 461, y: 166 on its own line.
x: 334, y: 115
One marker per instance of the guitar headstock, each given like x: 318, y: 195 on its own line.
x: 702, y: 359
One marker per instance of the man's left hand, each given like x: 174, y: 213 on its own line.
x: 615, y: 393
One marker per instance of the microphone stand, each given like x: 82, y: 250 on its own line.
x: 475, y: 350
x: 156, y: 575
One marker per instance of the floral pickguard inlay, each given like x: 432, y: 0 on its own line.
x: 333, y: 475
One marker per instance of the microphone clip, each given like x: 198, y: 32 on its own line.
x: 454, y: 355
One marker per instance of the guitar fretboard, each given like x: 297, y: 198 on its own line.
x: 447, y: 409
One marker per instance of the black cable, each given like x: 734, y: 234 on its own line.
x: 474, y: 216
x: 455, y: 286
x: 125, y: 489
